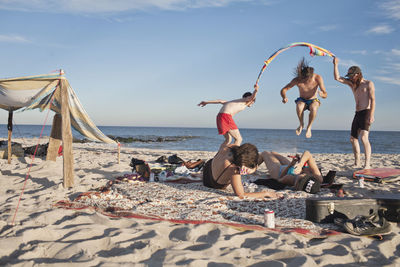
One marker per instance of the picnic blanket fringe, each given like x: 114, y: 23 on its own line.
x: 120, y: 213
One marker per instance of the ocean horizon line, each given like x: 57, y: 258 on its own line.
x: 208, y: 139
x: 196, y: 127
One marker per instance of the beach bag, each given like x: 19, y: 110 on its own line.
x: 162, y: 159
x: 134, y: 162
x: 174, y: 159
x: 141, y: 167
x: 143, y: 170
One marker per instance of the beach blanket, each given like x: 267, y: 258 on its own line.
x: 378, y: 175
x: 130, y: 196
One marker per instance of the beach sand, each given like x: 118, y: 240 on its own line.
x: 44, y: 234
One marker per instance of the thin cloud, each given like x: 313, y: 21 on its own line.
x: 389, y: 80
x: 393, y: 67
x: 379, y: 52
x: 348, y: 63
x: 391, y: 53
x: 13, y: 39
x: 395, y: 52
x: 396, y: 67
x: 389, y: 69
x: 108, y: 6
x: 392, y: 8
x: 327, y: 28
x: 359, y: 52
x: 381, y: 29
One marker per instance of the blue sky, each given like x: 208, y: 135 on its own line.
x: 150, y: 62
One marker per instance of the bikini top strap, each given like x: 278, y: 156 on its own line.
x: 223, y: 172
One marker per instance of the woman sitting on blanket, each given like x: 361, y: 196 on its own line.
x: 228, y: 165
x: 302, y: 172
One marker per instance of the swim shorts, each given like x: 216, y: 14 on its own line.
x: 289, y: 171
x: 225, y: 123
x: 307, y: 101
x: 360, y: 122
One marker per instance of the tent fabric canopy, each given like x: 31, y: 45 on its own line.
x: 34, y: 92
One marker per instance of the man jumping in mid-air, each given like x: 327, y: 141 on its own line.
x: 307, y: 82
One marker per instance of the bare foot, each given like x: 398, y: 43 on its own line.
x: 357, y: 161
x: 357, y: 164
x: 308, y: 133
x: 299, y: 129
x: 367, y: 164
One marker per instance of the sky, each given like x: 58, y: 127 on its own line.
x: 150, y: 62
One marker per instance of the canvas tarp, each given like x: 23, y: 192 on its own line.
x: 33, y: 92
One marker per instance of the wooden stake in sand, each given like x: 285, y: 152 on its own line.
x: 10, y: 128
x: 119, y: 151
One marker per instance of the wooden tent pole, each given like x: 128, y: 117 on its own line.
x: 55, y: 138
x: 10, y: 128
x: 68, y: 163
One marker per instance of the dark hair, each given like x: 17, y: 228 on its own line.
x: 303, y: 70
x: 246, y: 154
x: 356, y: 70
x: 246, y: 94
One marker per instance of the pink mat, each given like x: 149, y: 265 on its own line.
x: 379, y: 175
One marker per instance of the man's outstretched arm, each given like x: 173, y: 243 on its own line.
x: 219, y: 101
x: 336, y: 74
x: 252, y: 98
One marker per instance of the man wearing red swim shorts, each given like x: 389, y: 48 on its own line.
x: 225, y: 123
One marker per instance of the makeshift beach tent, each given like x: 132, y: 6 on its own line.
x: 50, y: 91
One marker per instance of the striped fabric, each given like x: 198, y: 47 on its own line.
x: 33, y: 92
x: 314, y: 51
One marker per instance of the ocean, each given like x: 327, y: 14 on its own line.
x: 207, y: 139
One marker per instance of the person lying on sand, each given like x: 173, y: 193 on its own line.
x: 302, y: 172
x: 227, y: 167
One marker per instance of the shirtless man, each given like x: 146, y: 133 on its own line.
x: 307, y: 82
x: 364, y: 95
x: 225, y: 124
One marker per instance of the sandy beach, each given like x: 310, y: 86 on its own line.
x: 45, y: 234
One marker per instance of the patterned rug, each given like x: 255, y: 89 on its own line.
x: 186, y: 200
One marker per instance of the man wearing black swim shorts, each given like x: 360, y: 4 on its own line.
x: 310, y: 86
x: 364, y: 95
x: 360, y: 122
